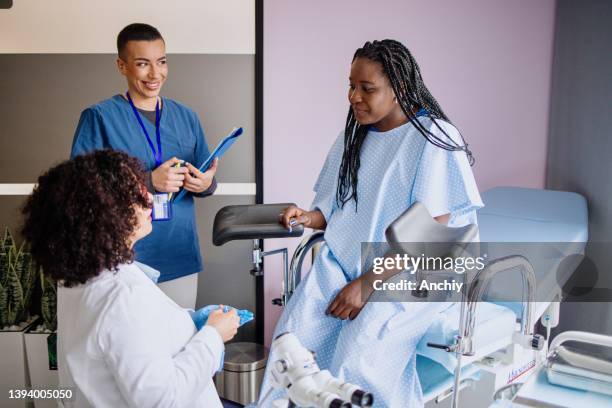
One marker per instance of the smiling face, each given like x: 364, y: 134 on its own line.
x: 371, y: 97
x: 143, y: 63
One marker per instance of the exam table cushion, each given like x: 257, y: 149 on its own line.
x: 516, y: 214
x: 556, y: 221
x: 493, y: 322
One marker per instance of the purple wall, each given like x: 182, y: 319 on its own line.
x: 487, y: 62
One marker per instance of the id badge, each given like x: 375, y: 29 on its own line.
x: 162, y: 207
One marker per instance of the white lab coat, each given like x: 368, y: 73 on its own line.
x: 123, y: 343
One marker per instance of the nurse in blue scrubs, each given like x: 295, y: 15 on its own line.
x: 161, y: 133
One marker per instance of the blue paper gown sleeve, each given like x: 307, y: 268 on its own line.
x: 325, y: 186
x: 201, y: 154
x: 89, y: 134
x: 444, y: 181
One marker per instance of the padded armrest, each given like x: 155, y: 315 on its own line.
x: 257, y: 221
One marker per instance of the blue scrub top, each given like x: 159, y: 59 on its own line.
x: 173, y: 247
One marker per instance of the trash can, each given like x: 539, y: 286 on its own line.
x: 243, y: 372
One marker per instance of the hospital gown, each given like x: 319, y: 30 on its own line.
x: 376, y: 350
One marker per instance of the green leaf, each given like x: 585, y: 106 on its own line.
x: 6, y: 249
x: 28, y: 281
x: 4, y: 265
x: 18, y: 275
x: 15, y: 297
x: 3, y: 306
x: 49, y: 307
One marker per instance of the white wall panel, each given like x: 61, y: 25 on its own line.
x: 78, y: 26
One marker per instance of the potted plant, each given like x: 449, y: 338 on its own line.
x: 41, y: 343
x: 17, y: 280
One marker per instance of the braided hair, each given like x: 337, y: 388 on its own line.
x: 405, y: 77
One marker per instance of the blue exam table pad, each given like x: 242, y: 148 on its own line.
x: 549, y: 228
x: 516, y: 214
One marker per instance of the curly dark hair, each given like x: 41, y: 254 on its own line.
x: 81, y: 215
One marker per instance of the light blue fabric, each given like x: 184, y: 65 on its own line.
x: 173, y: 247
x: 200, y: 316
x: 151, y: 273
x: 377, y: 349
x: 517, y: 214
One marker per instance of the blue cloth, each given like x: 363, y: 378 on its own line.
x: 151, y: 273
x: 173, y: 247
x: 377, y: 349
x: 200, y: 316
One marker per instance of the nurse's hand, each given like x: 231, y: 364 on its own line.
x: 197, y: 181
x: 351, y: 299
x: 167, y: 178
x: 225, y: 323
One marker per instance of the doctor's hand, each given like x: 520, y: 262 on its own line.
x: 197, y: 181
x: 225, y: 323
x: 352, y: 298
x: 310, y: 219
x: 167, y: 178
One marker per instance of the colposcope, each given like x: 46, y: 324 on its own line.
x: 296, y: 371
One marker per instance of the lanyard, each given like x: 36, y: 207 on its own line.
x: 421, y: 112
x: 156, y: 153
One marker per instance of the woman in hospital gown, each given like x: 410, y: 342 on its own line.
x: 408, y: 151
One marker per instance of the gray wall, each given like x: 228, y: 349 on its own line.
x: 580, y: 139
x: 42, y: 96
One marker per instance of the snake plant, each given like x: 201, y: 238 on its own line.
x: 18, y: 276
x: 48, y: 302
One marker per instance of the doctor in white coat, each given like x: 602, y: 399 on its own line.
x: 121, y: 341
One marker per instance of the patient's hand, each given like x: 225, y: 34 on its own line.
x: 351, y: 299
x: 225, y: 323
x: 310, y: 219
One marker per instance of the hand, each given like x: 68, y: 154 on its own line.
x: 225, y: 323
x: 297, y: 214
x: 349, y: 302
x: 167, y: 178
x: 197, y: 181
